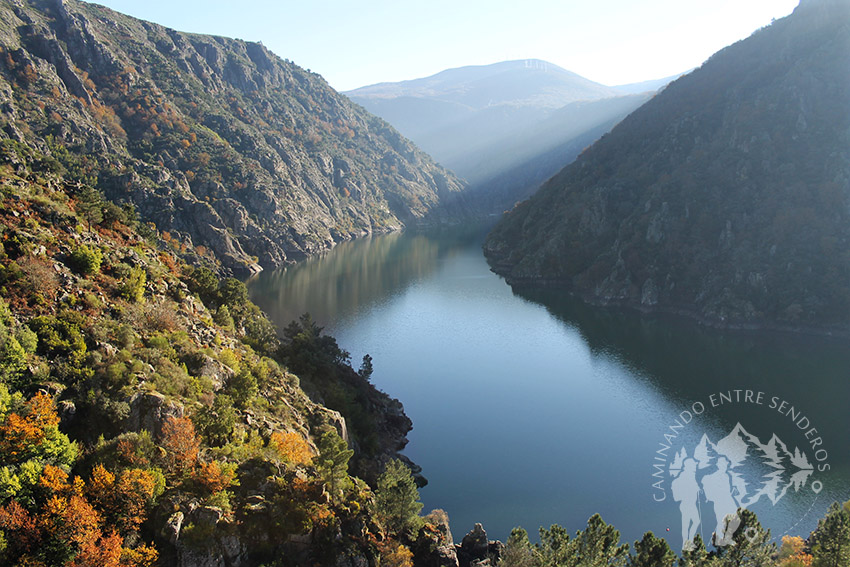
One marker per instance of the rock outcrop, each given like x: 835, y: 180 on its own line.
x: 475, y: 550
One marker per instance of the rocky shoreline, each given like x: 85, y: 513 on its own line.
x: 654, y: 308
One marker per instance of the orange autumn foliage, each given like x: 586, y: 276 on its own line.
x: 142, y: 556
x: 181, y: 445
x: 41, y: 411
x: 123, y: 499
x: 100, y: 484
x: 78, y: 524
x: 793, y: 554
x: 129, y: 452
x: 292, y: 447
x: 54, y: 479
x: 395, y: 554
x: 212, y: 477
x: 105, y: 551
x: 22, y: 531
x: 20, y: 433
x: 72, y: 521
x: 134, y: 491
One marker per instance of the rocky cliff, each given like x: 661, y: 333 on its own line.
x: 726, y: 197
x: 217, y: 141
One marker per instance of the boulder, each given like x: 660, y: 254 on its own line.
x: 149, y: 410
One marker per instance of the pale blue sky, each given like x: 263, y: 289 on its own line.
x: 353, y: 44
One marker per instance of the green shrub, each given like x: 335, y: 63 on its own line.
x: 132, y: 288
x: 202, y: 282
x: 215, y: 423
x: 242, y: 387
x: 87, y: 260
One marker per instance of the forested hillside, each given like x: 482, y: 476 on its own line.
x: 218, y: 141
x: 726, y: 196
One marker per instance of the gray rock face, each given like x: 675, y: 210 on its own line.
x: 435, y: 548
x: 475, y: 550
x: 149, y: 410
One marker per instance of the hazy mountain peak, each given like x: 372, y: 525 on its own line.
x: 532, y: 82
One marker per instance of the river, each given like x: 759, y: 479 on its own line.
x: 530, y: 408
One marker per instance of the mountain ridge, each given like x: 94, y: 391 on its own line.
x: 504, y: 127
x: 265, y: 163
x: 719, y: 199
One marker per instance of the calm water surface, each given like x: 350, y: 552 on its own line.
x: 531, y: 409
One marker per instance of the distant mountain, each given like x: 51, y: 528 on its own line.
x: 511, y: 123
x: 525, y: 82
x: 726, y: 197
x: 217, y: 141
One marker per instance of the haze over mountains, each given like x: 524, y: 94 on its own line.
x: 504, y: 127
x: 727, y: 196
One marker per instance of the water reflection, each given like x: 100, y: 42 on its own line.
x: 530, y: 408
x: 354, y: 276
x: 688, y: 361
x: 805, y: 382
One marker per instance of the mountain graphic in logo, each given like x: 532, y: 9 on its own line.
x: 736, y: 472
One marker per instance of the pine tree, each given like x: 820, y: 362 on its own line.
x: 830, y: 542
x: 333, y: 458
x: 652, y: 552
x: 599, y: 545
x: 396, y: 498
x: 752, y: 547
x: 518, y: 551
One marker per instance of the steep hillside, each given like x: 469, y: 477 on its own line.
x: 149, y: 410
x: 505, y: 127
x: 217, y: 141
x: 727, y: 196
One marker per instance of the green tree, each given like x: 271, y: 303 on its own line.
x: 518, y: 551
x: 333, y: 458
x: 697, y: 555
x: 556, y: 547
x: 87, y: 260
x: 133, y: 287
x: 830, y: 542
x: 90, y: 205
x: 233, y: 292
x: 599, y: 545
x: 13, y: 362
x: 202, y: 282
x: 215, y: 423
x: 366, y: 367
x: 397, y: 499
x: 242, y: 387
x: 223, y: 318
x: 752, y: 546
x: 652, y: 552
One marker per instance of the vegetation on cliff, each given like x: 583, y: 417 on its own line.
x: 726, y: 196
x: 148, y: 414
x: 231, y: 150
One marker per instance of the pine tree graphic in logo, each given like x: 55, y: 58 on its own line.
x: 736, y: 472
